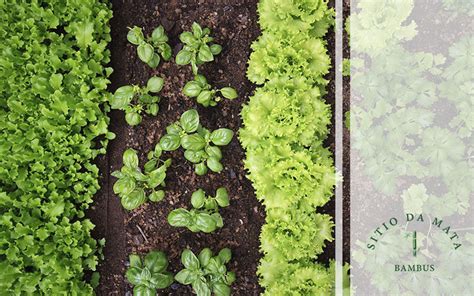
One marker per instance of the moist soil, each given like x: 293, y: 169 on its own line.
x: 234, y: 26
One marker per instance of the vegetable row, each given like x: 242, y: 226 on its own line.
x: 205, y: 272
x: 284, y: 126
x: 53, y: 84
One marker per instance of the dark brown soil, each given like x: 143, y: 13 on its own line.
x: 234, y: 24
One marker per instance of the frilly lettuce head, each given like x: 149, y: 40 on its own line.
x: 281, y: 278
x: 285, y: 110
x: 293, y: 235
x: 296, y: 16
x: 291, y: 57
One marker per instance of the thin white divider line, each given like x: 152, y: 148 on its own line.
x: 338, y: 120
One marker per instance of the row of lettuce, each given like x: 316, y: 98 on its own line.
x: 53, y: 87
x: 285, y: 124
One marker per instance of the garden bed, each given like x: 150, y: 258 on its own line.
x: 234, y: 25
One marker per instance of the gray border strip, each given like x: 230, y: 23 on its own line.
x: 339, y: 144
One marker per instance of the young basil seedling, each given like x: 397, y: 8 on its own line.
x: 133, y: 186
x: 134, y: 100
x: 205, y: 215
x: 207, y: 274
x: 204, y: 94
x: 149, y: 274
x: 199, y: 143
x: 150, y: 48
x: 198, y: 47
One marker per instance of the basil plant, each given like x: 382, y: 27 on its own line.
x: 135, y: 100
x: 150, y: 49
x: 205, y: 215
x: 199, y: 143
x: 149, y: 274
x: 204, y: 94
x: 135, y: 187
x: 207, y: 274
x: 198, y: 47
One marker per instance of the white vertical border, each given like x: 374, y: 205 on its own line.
x: 338, y: 121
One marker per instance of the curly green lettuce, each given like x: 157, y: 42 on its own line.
x: 300, y: 278
x: 297, y: 16
x: 293, y: 234
x: 292, y: 57
x: 283, y: 177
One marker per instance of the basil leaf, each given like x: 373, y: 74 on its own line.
x: 134, y: 275
x: 204, y: 98
x: 135, y: 35
x: 122, y: 97
x: 205, y: 223
x: 222, y: 136
x: 189, y: 260
x: 221, y: 289
x: 201, y: 80
x: 133, y: 118
x: 185, y: 277
x: 229, y: 93
x: 130, y: 158
x: 216, y: 49
x: 204, y: 256
x: 201, y: 288
x: 225, y: 255
x: 161, y: 280
x: 179, y: 217
x: 154, y: 61
x: 124, y: 186
x: 170, y: 142
x: 222, y: 197
x: 158, y: 35
x: 150, y: 165
x: 134, y: 199
x: 187, y: 38
x: 155, y: 84
x: 192, y: 89
x: 198, y: 198
x: 230, y: 278
x: 190, y: 121
x: 218, y: 219
x: 157, y: 196
x: 183, y: 57
x: 197, y: 30
x: 143, y: 290
x: 193, y: 142
x: 200, y: 169
x: 156, y: 261
x: 205, y: 53
x: 156, y: 177
x: 214, y: 151
x: 193, y: 156
x: 145, y: 52
x: 135, y: 261
x: 214, y: 164
x: 153, y: 109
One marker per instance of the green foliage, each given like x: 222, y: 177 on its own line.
x: 150, y: 49
x: 204, y: 94
x: 200, y: 144
x: 295, y: 56
x: 149, y: 274
x: 135, y: 100
x: 207, y: 274
x: 285, y: 124
x: 53, y: 98
x: 285, y: 17
x: 198, y: 48
x: 205, y: 215
x: 135, y: 187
